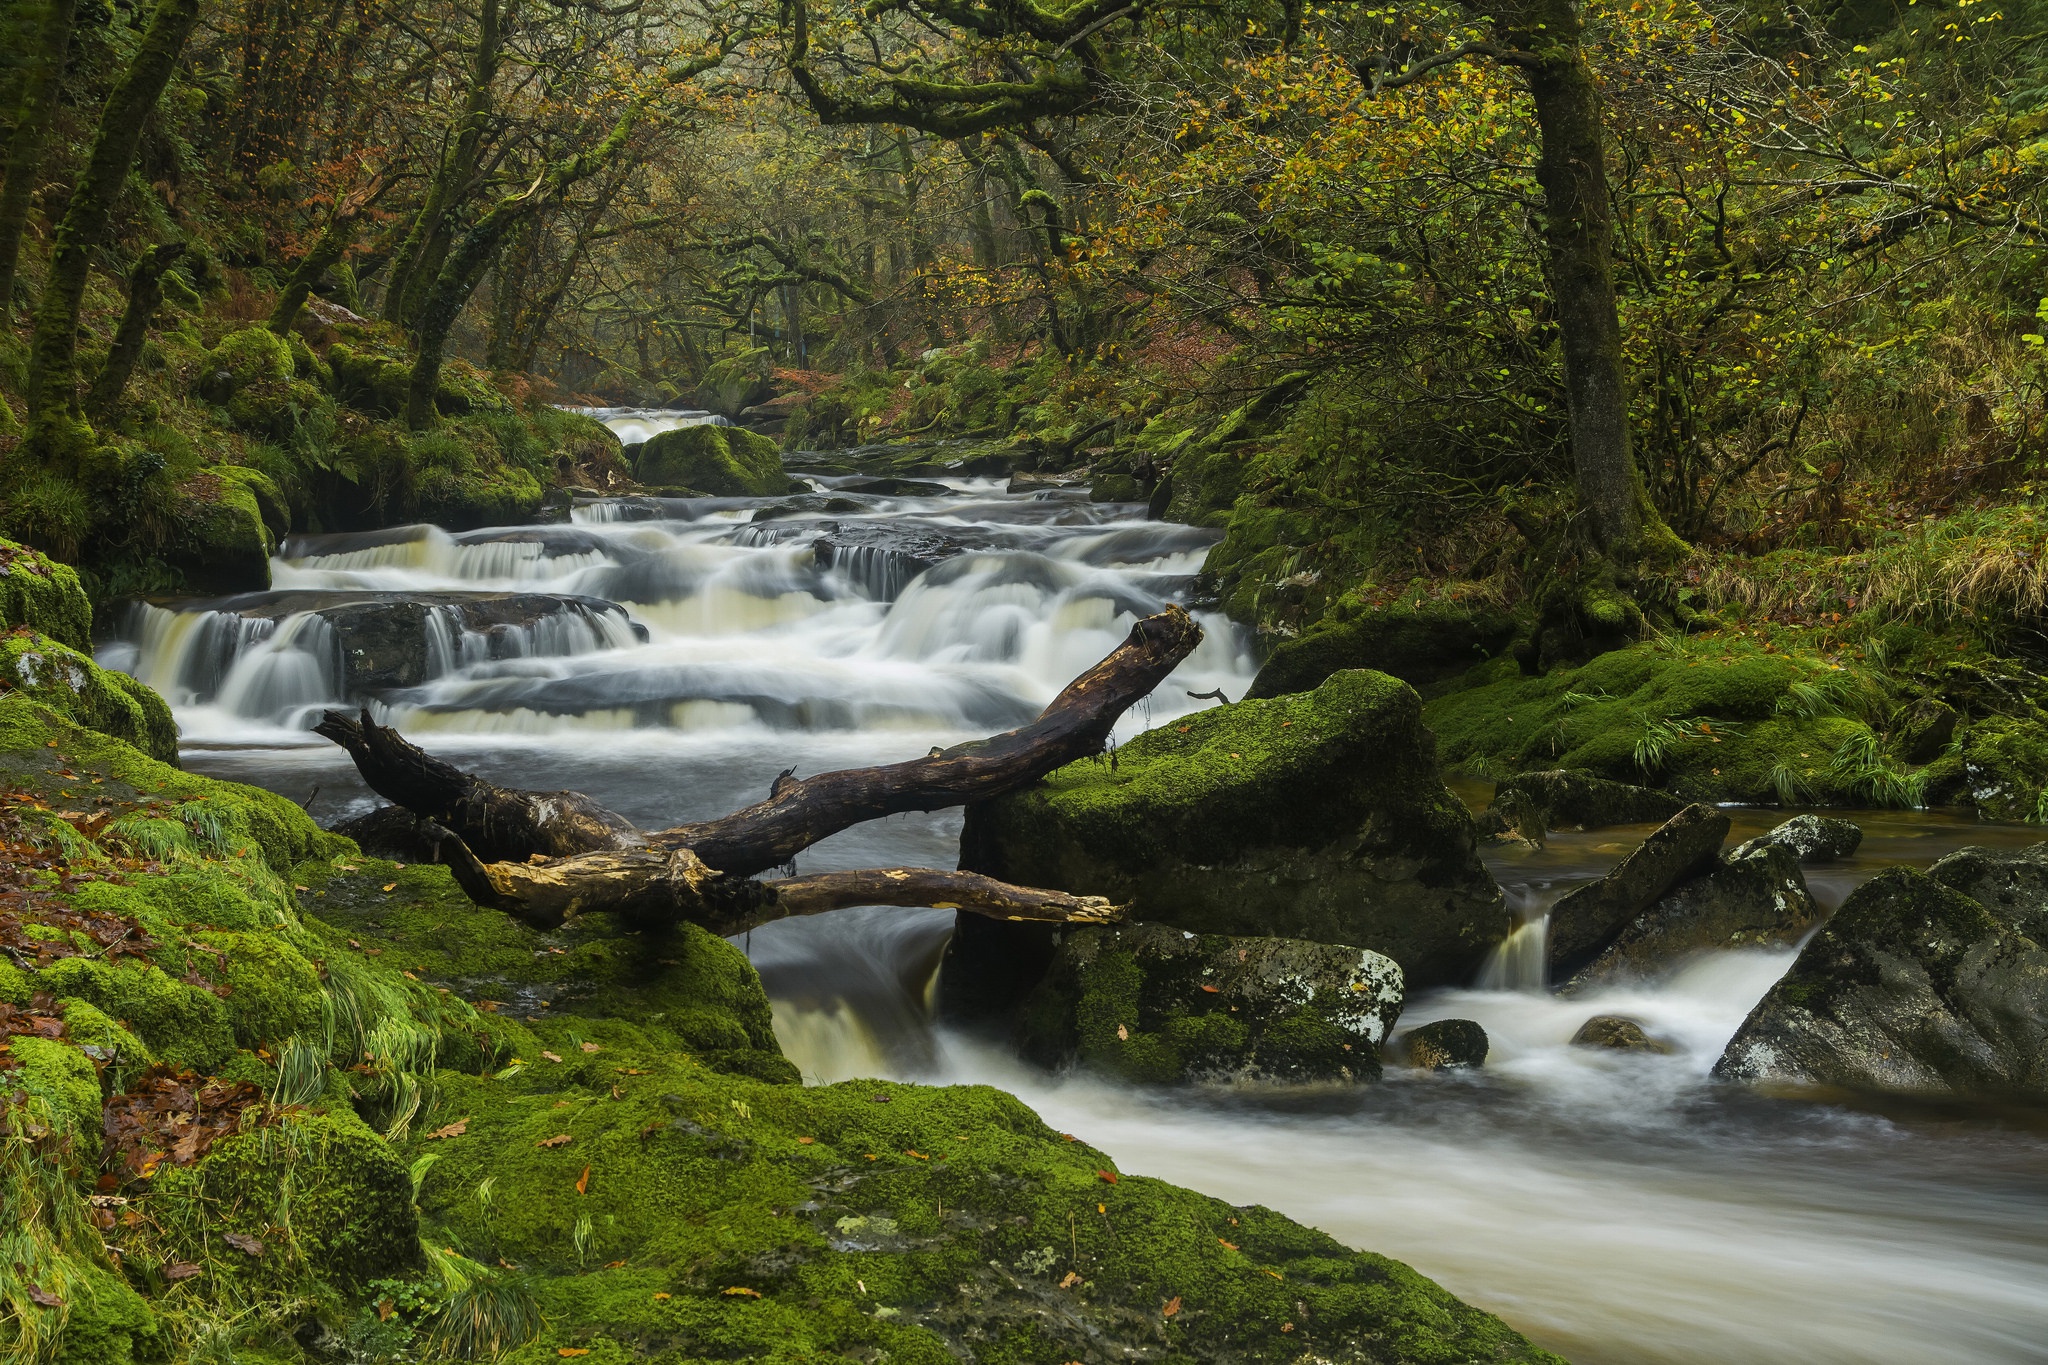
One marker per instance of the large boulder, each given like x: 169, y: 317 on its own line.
x: 1531, y: 803
x: 1589, y: 918
x: 1757, y: 898
x: 724, y: 462
x: 1150, y: 1003
x: 1808, y: 838
x: 1320, y: 815
x: 1419, y: 642
x: 1914, y: 987
x: 43, y: 595
x: 71, y: 684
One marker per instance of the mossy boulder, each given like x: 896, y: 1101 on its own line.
x: 2005, y: 768
x: 1912, y: 987
x: 1421, y: 641
x: 1320, y: 815
x: 463, y: 478
x: 251, y: 355
x: 57, y: 676
x: 1445, y: 1045
x: 43, y: 595
x: 724, y: 462
x: 219, y: 541
x: 1531, y: 804
x: 1152, y: 1004
x: 373, y: 371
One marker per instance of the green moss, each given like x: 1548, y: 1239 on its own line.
x: 63, y: 1076
x: 1420, y: 639
x: 43, y: 595
x: 251, y: 355
x: 1319, y: 815
x: 2005, y: 768
x: 726, y: 462
x: 54, y: 675
x: 219, y: 541
x: 463, y: 480
x: 184, y: 1026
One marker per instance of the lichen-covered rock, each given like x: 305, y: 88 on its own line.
x: 1560, y: 798
x: 1912, y: 987
x: 1155, y: 1004
x: 1757, y: 898
x: 1319, y: 815
x: 1587, y: 919
x: 1809, y: 838
x: 2005, y: 768
x: 1617, y: 1034
x: 725, y: 462
x: 1420, y: 642
x: 70, y: 683
x: 2011, y: 883
x: 43, y: 595
x: 1445, y: 1044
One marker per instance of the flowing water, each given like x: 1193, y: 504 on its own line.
x: 670, y: 657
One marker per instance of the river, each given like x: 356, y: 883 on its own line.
x: 1618, y: 1208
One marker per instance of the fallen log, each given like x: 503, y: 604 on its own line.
x: 505, y: 824
x: 660, y: 886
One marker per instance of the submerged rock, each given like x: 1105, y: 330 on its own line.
x: 898, y: 488
x: 1809, y: 838
x: 1561, y: 798
x: 883, y: 556
x: 1445, y: 1044
x: 1618, y: 1034
x: 1320, y: 815
x: 1914, y: 987
x: 1417, y: 642
x: 1588, y: 918
x: 1755, y: 899
x: 1151, y: 1003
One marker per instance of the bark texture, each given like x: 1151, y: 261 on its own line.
x: 145, y: 296
x: 38, y: 95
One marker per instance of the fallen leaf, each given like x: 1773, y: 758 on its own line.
x: 1072, y: 1278
x: 592, y: 1047
x: 551, y: 1056
x: 44, y: 1298
x: 660, y: 1296
x: 630, y: 1070
x: 1106, y: 1177
x: 1123, y: 1035
x: 455, y: 1129
x: 1102, y: 1208
x: 385, y: 1309
x: 613, y: 1265
x: 583, y: 1181
x: 742, y: 1291
x: 180, y: 1270
x: 244, y: 1243
x: 1209, y: 990
x: 558, y: 1140
x: 913, y: 1152
x: 1170, y: 1307
x: 572, y: 1350
x: 1287, y: 1327
x: 390, y: 886
x: 806, y: 1141
x: 1228, y: 1246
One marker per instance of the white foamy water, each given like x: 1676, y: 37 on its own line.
x: 1619, y: 1209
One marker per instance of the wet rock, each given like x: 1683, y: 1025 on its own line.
x: 2011, y: 883
x: 726, y: 462
x: 1922, y: 730
x: 1913, y: 987
x: 1040, y: 483
x: 1757, y: 898
x: 1419, y: 643
x: 812, y: 504
x: 1590, y: 917
x: 898, y: 488
x: 883, y: 556
x: 1619, y: 1034
x: 1321, y: 815
x: 1562, y: 798
x: 69, y: 683
x: 1444, y: 1044
x: 219, y: 540
x: 1151, y: 1003
x: 1809, y: 838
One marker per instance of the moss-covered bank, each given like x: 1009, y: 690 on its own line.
x: 413, y: 1129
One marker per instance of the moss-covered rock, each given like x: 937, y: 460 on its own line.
x: 724, y: 462
x: 1445, y: 1045
x: 1529, y: 805
x: 219, y: 541
x: 43, y: 595
x: 68, y: 682
x: 1420, y: 640
x: 251, y: 355
x: 1320, y: 815
x: 1912, y: 987
x: 2005, y: 768
x: 463, y: 479
x: 1159, y: 1005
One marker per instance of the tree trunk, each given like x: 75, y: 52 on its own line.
x: 145, y: 296
x: 38, y: 94
x: 459, y: 276
x: 1578, y: 230
x: 53, y: 350
x: 505, y: 825
x: 333, y: 243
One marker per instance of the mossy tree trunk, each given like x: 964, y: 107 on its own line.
x: 145, y: 296
x: 41, y: 79
x: 56, y: 423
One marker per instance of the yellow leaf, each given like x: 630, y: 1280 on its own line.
x: 393, y: 886
x: 583, y: 1182
x: 742, y: 1291
x: 660, y: 1296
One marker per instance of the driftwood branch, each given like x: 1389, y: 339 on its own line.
x: 505, y: 824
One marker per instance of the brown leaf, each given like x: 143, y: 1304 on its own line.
x: 806, y: 1141
x: 455, y: 1129
x: 44, y: 1298
x: 572, y: 1351
x: 592, y: 1047
x: 385, y: 1308
x: 551, y: 1056
x: 1106, y: 1177
x: 180, y: 1270
x: 583, y: 1182
x: 244, y: 1243
x: 1209, y: 990
x: 558, y: 1140
x: 1170, y: 1307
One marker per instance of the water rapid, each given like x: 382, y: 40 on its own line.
x: 670, y: 657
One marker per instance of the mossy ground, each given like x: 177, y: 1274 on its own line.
x: 472, y: 1136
